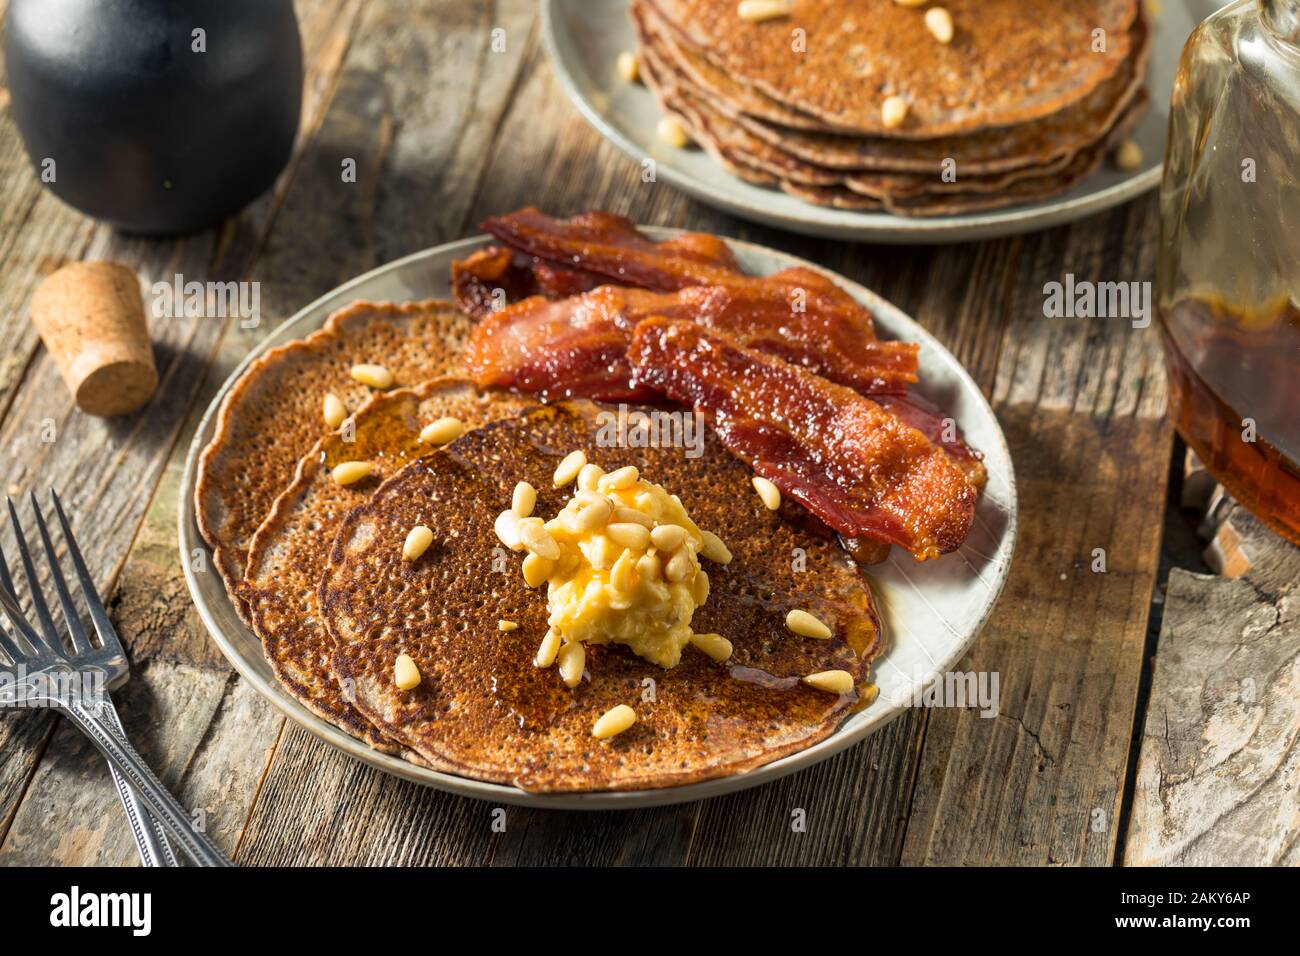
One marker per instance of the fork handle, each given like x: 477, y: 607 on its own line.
x: 150, y: 839
x: 150, y: 789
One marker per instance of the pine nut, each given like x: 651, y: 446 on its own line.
x: 650, y: 567
x: 376, y: 376
x: 604, y: 552
x: 715, y: 645
x: 549, y: 648
x: 893, y: 112
x: 1128, y: 157
x: 442, y: 432
x: 537, y: 540
x: 405, y: 674
x: 622, y: 577
x: 629, y: 67
x: 769, y: 492
x: 672, y: 132
x: 614, y: 721
x: 593, y: 516
x: 333, y: 410
x: 351, y: 472
x: 939, y: 22
x: 537, y: 570
x: 569, y: 467
x: 714, y: 549
x: 668, y: 537
x: 507, y: 625
x: 507, y: 529
x: 758, y: 11
x: 836, y: 682
x: 589, y: 477
x: 620, y: 479
x: 524, y: 499
x: 418, y: 540
x: 629, y: 535
x: 700, y: 586
x: 805, y: 625
x: 573, y: 661
x: 679, y: 566
x: 911, y: 3
x: 624, y: 514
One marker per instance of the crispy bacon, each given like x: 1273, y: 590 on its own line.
x: 939, y: 428
x: 860, y: 469
x: 488, y: 276
x: 567, y: 348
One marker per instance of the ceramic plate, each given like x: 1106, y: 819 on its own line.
x: 585, y: 37
x: 931, y: 612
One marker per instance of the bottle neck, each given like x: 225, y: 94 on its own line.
x: 1282, y: 17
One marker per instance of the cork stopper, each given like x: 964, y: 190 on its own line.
x: 90, y: 315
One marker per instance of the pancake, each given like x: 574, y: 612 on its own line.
x: 1034, y: 143
x: 1011, y: 61
x: 272, y: 415
x: 288, y: 552
x: 483, y: 710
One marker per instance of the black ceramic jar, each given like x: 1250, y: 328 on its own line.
x: 157, y: 116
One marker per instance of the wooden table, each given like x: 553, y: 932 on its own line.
x: 1096, y: 757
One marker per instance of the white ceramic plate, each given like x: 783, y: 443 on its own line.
x: 931, y: 612
x: 585, y: 37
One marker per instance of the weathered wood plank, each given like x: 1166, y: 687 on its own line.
x: 1220, y: 754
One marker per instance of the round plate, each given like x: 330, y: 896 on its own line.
x: 931, y: 611
x: 585, y: 37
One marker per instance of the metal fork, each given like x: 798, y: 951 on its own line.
x: 78, y: 684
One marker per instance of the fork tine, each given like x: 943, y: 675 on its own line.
x: 52, y: 639
x: 9, y: 604
x: 80, y: 642
x: 108, y: 638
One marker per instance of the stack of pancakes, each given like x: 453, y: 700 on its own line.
x: 1022, y: 103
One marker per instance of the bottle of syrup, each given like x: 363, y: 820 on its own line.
x: 1229, y: 264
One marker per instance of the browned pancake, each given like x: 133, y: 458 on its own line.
x: 1010, y: 62
x: 288, y: 552
x: 483, y: 710
x: 1030, y: 144
x: 272, y: 415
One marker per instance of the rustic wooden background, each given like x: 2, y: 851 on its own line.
x: 1096, y: 758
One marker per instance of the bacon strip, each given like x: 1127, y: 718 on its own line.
x: 566, y: 348
x: 863, y: 471
x: 488, y: 276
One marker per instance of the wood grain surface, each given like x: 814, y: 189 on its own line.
x: 445, y: 130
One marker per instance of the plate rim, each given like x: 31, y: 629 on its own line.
x: 189, y: 538
x: 899, y: 230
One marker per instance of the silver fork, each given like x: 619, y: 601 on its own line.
x: 78, y: 684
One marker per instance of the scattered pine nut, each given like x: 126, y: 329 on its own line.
x: 333, y: 410
x: 678, y: 567
x: 442, y: 432
x: 376, y: 376
x: 507, y: 529
x: 629, y: 67
x: 629, y: 535
x: 893, y: 112
x: 714, y: 549
x: 507, y: 625
x: 715, y: 645
x: 589, y: 477
x: 939, y: 22
x: 350, y: 472
x: 569, y: 467
x: 700, y: 586
x: 672, y: 132
x: 524, y: 499
x: 769, y: 492
x: 622, y: 576
x: 537, y: 539
x: 623, y: 515
x: 620, y: 479
x: 614, y: 721
x: 1128, y: 156
x: 405, y: 674
x: 668, y: 537
x: 805, y: 625
x: 836, y: 682
x: 759, y: 11
x: 418, y: 540
x: 573, y: 661
x: 537, y: 570
x: 548, y: 650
